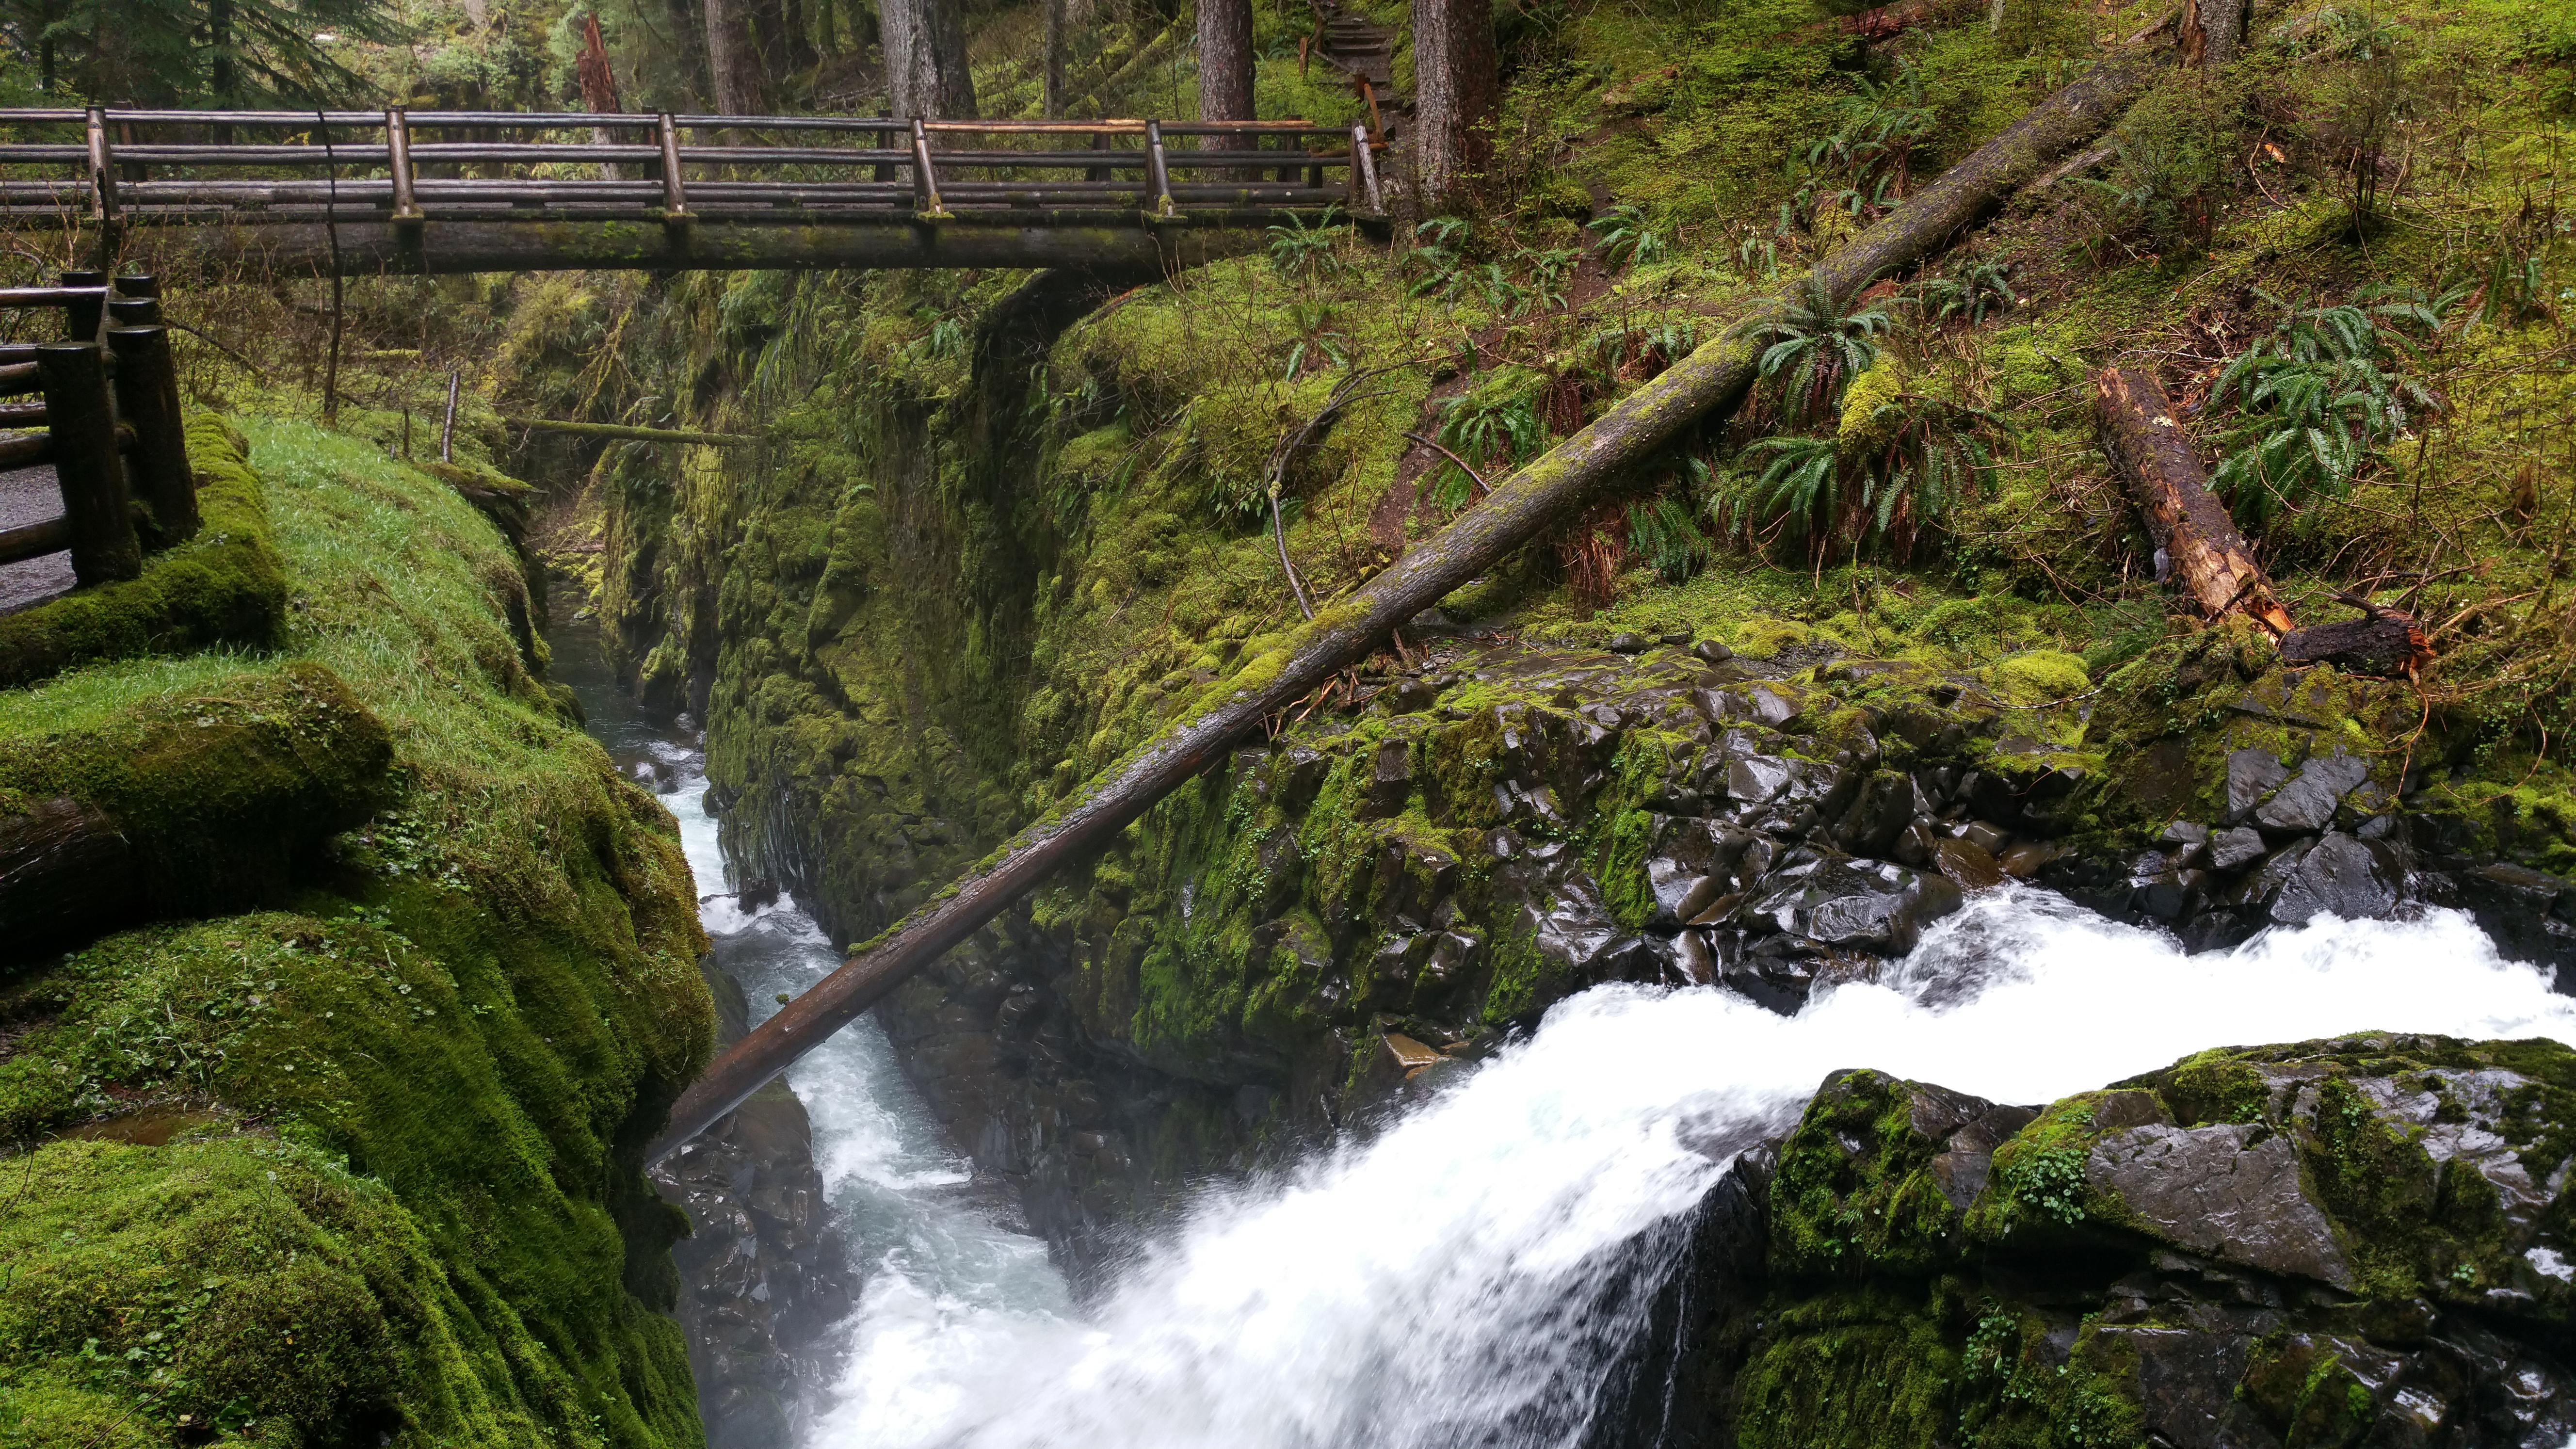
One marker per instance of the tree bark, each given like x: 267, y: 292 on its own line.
x: 2382, y: 641
x: 1054, y: 93
x: 688, y: 21
x: 925, y: 55
x: 2195, y: 541
x: 738, y: 56
x: 1709, y: 382
x: 1225, y: 68
x: 1457, y: 92
x: 2213, y: 32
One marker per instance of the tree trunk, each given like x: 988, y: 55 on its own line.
x: 2213, y: 32
x: 1054, y: 97
x: 795, y: 38
x: 925, y: 54
x: 1705, y: 385
x: 739, y: 58
x: 1225, y: 69
x: 2195, y: 542
x: 1457, y: 92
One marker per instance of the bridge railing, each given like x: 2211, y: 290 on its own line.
x: 415, y: 167
x: 106, y: 415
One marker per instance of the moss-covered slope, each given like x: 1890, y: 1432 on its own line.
x: 362, y: 1161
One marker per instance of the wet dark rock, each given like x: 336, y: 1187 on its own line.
x: 1712, y: 652
x: 2531, y: 914
x: 2252, y: 775
x: 764, y: 1285
x: 1412, y: 696
x: 1627, y: 643
x: 1968, y: 864
x: 2356, y: 879
x: 2307, y: 803
x: 1990, y: 838
x: 2234, y: 849
x: 2230, y: 1191
x: 1390, y: 780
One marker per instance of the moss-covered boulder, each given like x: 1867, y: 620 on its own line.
x: 2358, y: 1241
x: 227, y: 585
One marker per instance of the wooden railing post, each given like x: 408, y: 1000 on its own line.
x: 86, y: 467
x: 925, y: 182
x: 1156, y: 171
x: 147, y: 398
x: 675, y: 194
x: 1099, y: 142
x: 1364, y: 173
x: 398, y: 161
x: 83, y: 315
x: 102, y: 173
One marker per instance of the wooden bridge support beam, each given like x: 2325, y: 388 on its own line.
x: 1104, y: 242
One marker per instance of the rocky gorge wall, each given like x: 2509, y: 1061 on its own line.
x: 931, y: 607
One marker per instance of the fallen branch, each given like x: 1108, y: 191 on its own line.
x: 1473, y: 476
x: 1710, y: 381
x: 621, y: 430
x: 2195, y: 541
x: 2381, y: 641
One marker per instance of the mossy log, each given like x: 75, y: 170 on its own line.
x: 1709, y: 382
x: 633, y: 434
x: 2156, y: 458
x: 199, y: 804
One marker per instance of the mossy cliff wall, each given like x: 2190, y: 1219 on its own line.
x: 351, y: 1156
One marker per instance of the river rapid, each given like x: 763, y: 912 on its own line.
x: 1464, y: 1276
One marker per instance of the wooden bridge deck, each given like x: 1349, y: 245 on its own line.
x: 369, y: 192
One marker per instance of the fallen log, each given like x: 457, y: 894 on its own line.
x: 2160, y: 465
x: 2381, y: 641
x: 634, y: 434
x: 1711, y: 380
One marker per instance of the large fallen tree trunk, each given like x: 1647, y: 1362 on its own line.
x: 2195, y: 541
x: 1708, y: 381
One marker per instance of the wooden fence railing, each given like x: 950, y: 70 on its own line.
x: 106, y: 398
x: 113, y: 167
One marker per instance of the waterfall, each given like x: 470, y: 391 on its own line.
x: 1477, y: 1272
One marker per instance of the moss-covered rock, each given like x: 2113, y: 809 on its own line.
x: 225, y: 586
x: 364, y: 1166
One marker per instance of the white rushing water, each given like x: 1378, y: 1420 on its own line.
x: 1456, y: 1280
x: 1465, y: 1276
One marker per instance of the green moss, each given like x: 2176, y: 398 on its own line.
x: 445, y: 1057
x: 2043, y: 676
x: 1853, y: 1191
x: 224, y: 586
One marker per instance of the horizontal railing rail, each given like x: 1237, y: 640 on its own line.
x: 409, y: 167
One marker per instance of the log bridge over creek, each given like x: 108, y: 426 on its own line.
x: 367, y: 193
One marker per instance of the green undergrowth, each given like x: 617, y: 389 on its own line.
x: 364, y: 1161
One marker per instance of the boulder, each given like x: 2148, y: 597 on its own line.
x: 2229, y: 1191
x: 2252, y: 775
x: 2308, y: 802
x: 2357, y: 880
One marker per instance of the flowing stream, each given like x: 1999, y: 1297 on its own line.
x: 1468, y: 1275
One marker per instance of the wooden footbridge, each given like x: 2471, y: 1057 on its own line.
x: 364, y: 193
